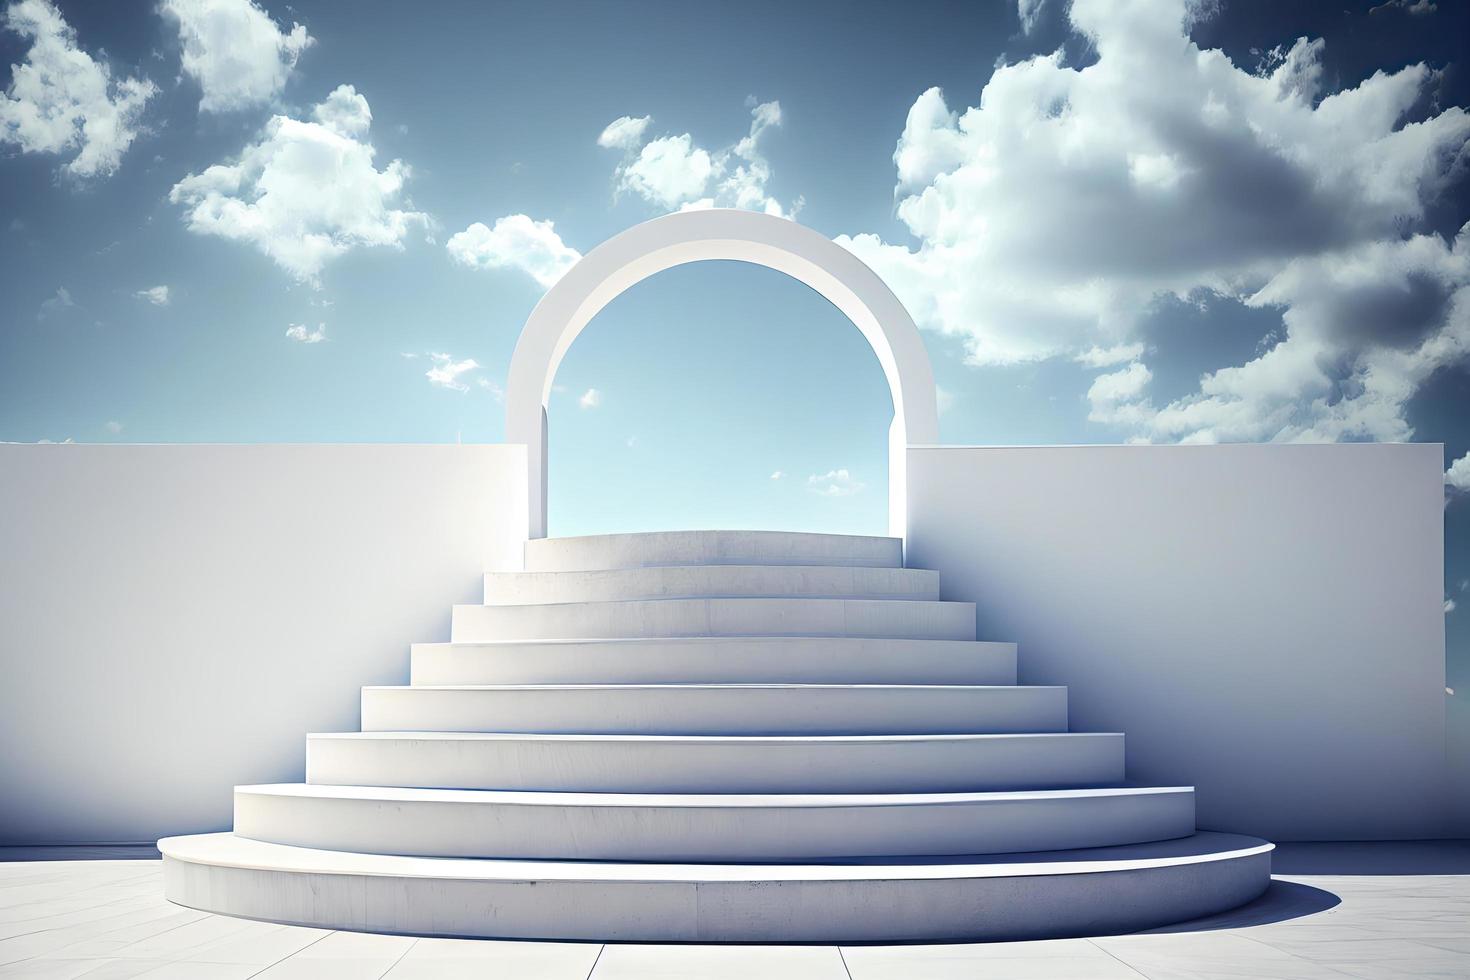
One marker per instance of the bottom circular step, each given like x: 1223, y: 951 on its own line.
x: 1036, y: 895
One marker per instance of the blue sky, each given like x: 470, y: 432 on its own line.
x: 1114, y: 219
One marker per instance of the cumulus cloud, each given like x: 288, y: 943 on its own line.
x: 591, y: 398
x: 300, y: 333
x: 624, y: 133
x: 673, y: 172
x: 449, y: 373
x: 157, y: 295
x: 233, y: 49
x: 777, y: 475
x: 833, y: 483
x: 1457, y: 478
x: 516, y: 242
x: 113, y: 426
x: 1116, y: 398
x: 62, y: 100
x: 305, y: 191
x: 1053, y: 215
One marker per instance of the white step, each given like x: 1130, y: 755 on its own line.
x: 716, y: 764
x: 721, y: 827
x: 997, y: 897
x: 912, y: 619
x: 706, y: 581
x: 600, y: 551
x: 716, y: 709
x: 716, y: 660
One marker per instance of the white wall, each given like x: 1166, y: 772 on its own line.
x: 175, y: 619
x: 1264, y: 622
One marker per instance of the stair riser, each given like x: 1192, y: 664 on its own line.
x: 716, y: 711
x: 718, y: 660
x: 613, y: 765
x: 883, y: 910
x: 709, y: 833
x: 515, y: 588
x: 710, y: 548
x: 716, y: 617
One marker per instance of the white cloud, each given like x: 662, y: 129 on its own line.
x: 113, y: 426
x: 1416, y: 7
x: 1030, y: 13
x: 516, y: 242
x: 1115, y: 398
x: 1449, y: 605
x: 60, y: 301
x: 1051, y: 217
x: 591, y: 398
x: 306, y: 191
x: 673, y: 172
x: 157, y: 295
x: 1457, y: 477
x: 449, y: 373
x: 63, y: 100
x: 233, y: 49
x: 669, y: 171
x: 833, y: 483
x: 777, y: 475
x: 624, y: 133
x: 299, y: 332
x: 1101, y: 357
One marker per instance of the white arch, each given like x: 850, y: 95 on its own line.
x: 745, y: 236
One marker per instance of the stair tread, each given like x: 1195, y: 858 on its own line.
x: 705, y: 739
x: 725, y: 800
x: 771, y: 638
x: 742, y: 686
x: 227, y: 850
x: 751, y: 599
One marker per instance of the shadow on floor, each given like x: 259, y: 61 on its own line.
x: 1282, y: 900
x: 81, y: 852
x: 1412, y: 857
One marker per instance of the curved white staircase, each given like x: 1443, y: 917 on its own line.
x: 716, y: 736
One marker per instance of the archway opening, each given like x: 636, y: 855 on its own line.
x: 644, y: 250
x: 719, y: 394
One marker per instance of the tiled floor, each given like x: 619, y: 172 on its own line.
x: 1368, y: 911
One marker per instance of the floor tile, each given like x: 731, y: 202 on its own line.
x: 342, y: 956
x: 453, y: 959
x: 665, y: 962
x: 1051, y: 959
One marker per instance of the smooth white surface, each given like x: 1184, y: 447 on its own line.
x: 716, y: 827
x: 1005, y: 896
x: 682, y: 582
x: 628, y: 258
x: 716, y: 660
x: 717, y: 709
x: 109, y: 917
x: 173, y: 618
x: 1265, y: 622
x: 906, y: 618
x: 710, y: 764
x: 594, y: 552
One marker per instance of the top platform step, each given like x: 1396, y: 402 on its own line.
x: 607, y: 551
